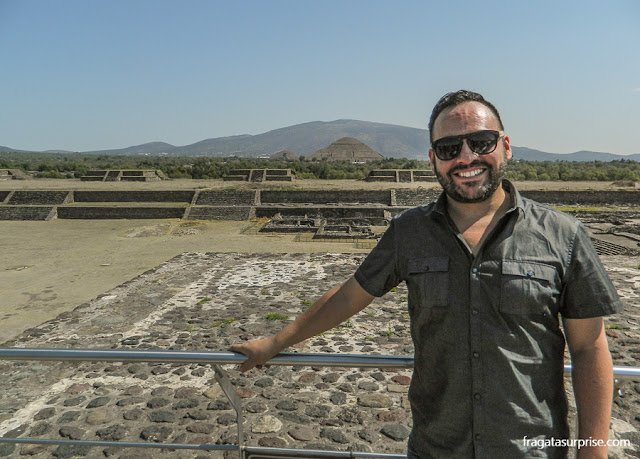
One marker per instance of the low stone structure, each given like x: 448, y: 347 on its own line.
x: 401, y: 175
x: 261, y: 175
x: 347, y: 149
x: 127, y: 175
x: 13, y: 174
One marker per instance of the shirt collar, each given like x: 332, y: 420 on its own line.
x: 516, y: 199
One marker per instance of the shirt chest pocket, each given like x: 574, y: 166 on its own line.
x: 428, y: 282
x: 529, y: 288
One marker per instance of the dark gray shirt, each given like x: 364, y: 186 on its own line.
x: 488, y: 347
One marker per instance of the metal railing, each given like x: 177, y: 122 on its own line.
x: 215, y: 359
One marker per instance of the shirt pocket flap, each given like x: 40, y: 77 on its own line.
x: 429, y: 264
x: 530, y: 270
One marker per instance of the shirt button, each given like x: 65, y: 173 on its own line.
x: 477, y: 437
x: 474, y: 311
x: 477, y: 396
x: 476, y: 355
x: 474, y: 270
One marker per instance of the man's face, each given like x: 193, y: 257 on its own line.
x: 469, y: 177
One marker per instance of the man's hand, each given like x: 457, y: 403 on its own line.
x: 258, y: 352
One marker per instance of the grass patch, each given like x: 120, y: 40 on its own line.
x: 204, y: 300
x: 613, y: 327
x: 275, y: 316
x: 389, y: 333
x: 223, y: 322
x: 306, y: 303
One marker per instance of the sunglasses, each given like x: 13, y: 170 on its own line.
x: 479, y: 142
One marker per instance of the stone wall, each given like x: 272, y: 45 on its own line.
x: 133, y: 196
x: 228, y: 198
x: 585, y: 197
x: 236, y: 213
x: 324, y: 197
x: 29, y: 213
x: 321, y: 211
x: 401, y: 175
x: 415, y: 197
x: 102, y: 212
x: 40, y: 197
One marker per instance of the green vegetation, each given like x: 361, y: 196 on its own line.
x: 69, y: 165
x: 204, y: 300
x: 306, y: 303
x: 613, y: 327
x: 574, y: 170
x: 389, y: 333
x: 275, y: 316
x: 75, y: 165
x: 223, y: 322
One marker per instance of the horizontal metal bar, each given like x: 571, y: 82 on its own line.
x: 261, y: 451
x: 264, y: 452
x: 122, y: 444
x: 225, y: 358
x: 222, y: 358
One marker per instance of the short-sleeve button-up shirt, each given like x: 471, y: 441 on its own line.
x: 489, y: 350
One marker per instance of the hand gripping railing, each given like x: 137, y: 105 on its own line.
x: 224, y: 358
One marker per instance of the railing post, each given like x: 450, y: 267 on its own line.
x: 232, y: 396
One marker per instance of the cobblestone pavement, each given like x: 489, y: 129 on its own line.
x: 199, y: 301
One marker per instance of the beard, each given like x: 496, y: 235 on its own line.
x: 464, y: 194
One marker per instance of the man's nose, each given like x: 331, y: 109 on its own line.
x: 466, y: 154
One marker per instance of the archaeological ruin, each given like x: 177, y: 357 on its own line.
x: 346, y: 149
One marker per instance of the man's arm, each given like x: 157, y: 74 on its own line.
x: 333, y: 308
x: 592, y: 377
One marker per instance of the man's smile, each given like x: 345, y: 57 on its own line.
x: 470, y: 173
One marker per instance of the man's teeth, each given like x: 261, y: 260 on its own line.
x: 471, y: 173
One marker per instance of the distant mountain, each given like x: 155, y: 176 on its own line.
x: 12, y: 149
x: 390, y: 140
x: 305, y: 139
x: 530, y: 154
x: 153, y: 148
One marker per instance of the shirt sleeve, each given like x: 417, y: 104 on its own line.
x: 588, y: 290
x: 378, y: 273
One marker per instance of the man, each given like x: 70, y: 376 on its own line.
x: 488, y: 273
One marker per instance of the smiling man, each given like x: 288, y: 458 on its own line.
x: 489, y: 275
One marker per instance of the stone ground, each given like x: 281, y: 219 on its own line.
x: 48, y: 268
x: 207, y: 301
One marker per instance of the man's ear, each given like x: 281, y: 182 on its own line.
x: 508, y: 154
x: 431, y: 158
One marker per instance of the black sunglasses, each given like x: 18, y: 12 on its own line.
x: 480, y: 142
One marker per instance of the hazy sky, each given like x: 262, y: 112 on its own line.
x: 89, y: 74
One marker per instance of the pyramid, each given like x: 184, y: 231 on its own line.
x: 347, y: 149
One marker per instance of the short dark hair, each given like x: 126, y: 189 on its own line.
x: 452, y: 99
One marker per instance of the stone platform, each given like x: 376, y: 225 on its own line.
x: 199, y: 301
